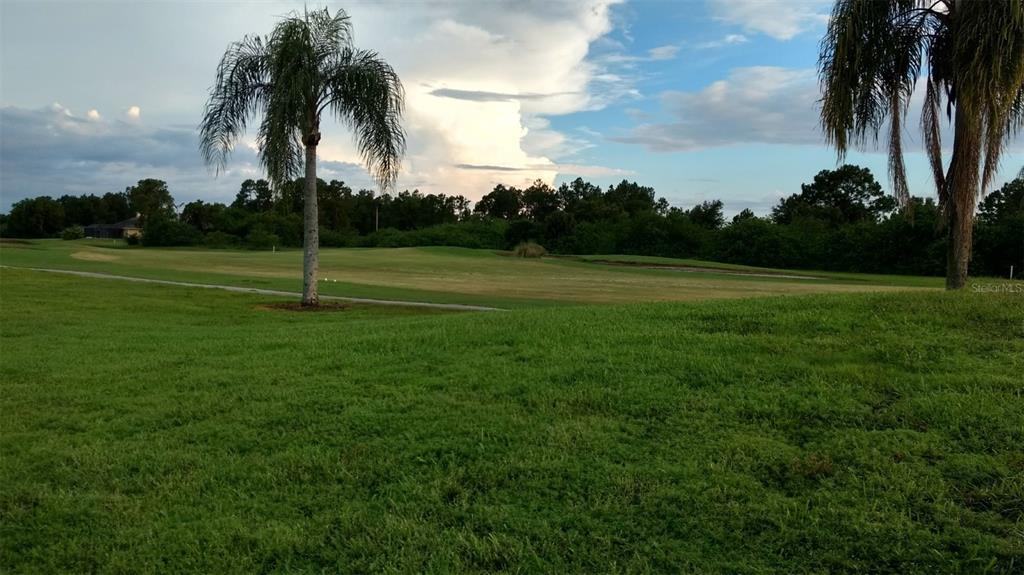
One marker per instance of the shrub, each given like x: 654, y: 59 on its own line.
x: 73, y: 233
x: 523, y: 231
x: 592, y: 238
x: 470, y: 234
x: 162, y: 231
x: 529, y: 250
x: 387, y: 238
x: 261, y: 239
x: 338, y: 239
x: 132, y: 240
x: 220, y: 240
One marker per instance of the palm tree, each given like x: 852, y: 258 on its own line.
x: 306, y: 66
x: 973, y: 52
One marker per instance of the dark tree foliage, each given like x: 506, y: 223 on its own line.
x: 204, y: 217
x: 150, y: 198
x: 254, y: 196
x: 41, y: 217
x: 840, y: 221
x: 743, y: 216
x: 112, y: 208
x: 843, y: 196
x: 540, y: 201
x: 707, y: 214
x: 501, y: 202
x: 999, y: 231
x: 164, y: 231
x: 632, y: 198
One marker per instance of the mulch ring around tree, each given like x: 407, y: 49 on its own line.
x: 297, y: 306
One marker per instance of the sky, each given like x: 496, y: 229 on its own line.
x: 700, y: 99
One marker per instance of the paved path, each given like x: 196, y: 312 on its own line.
x: 260, y: 291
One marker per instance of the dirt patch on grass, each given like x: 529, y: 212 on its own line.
x: 705, y: 270
x: 296, y: 306
x: 94, y: 257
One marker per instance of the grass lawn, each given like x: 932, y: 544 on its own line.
x: 164, y: 429
x: 446, y: 275
x: 843, y: 277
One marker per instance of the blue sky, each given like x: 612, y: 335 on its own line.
x: 701, y: 99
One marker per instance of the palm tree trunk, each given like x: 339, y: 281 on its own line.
x: 311, y: 233
x: 958, y: 249
x: 962, y: 182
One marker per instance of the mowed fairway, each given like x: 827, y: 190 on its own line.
x: 446, y: 275
x: 164, y: 429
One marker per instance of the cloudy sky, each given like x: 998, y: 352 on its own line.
x: 701, y: 99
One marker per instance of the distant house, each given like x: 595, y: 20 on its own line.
x: 127, y: 228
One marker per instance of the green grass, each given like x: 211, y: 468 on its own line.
x: 445, y: 275
x: 877, y: 279
x: 161, y: 429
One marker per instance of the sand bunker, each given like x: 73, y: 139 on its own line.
x: 94, y: 257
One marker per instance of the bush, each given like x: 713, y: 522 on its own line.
x: 261, y: 239
x: 529, y: 250
x: 477, y: 235
x: 73, y: 233
x: 132, y: 240
x: 166, y: 232
x: 221, y: 240
x: 387, y: 238
x: 473, y: 233
x: 336, y: 239
x: 523, y: 231
x: 592, y: 238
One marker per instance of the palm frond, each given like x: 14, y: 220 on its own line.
x: 288, y: 111
x: 328, y: 33
x: 931, y: 114
x: 306, y: 65
x: 869, y: 63
x: 241, y: 87
x: 365, y: 93
x: 989, y: 59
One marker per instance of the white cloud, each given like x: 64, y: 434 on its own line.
x: 592, y: 171
x: 481, y: 79
x: 480, y: 83
x: 93, y: 114
x: 727, y: 40
x: 663, y: 52
x: 780, y: 19
x: 60, y: 109
x: 759, y: 104
x: 656, y: 54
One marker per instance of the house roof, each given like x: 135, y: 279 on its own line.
x: 129, y: 223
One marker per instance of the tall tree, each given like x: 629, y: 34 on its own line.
x: 150, y: 198
x: 539, y: 201
x: 306, y: 66
x: 842, y: 196
x: 254, y: 195
x: 501, y: 202
x: 40, y: 217
x: 707, y: 214
x: 973, y: 54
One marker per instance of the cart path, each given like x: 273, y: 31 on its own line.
x: 261, y: 291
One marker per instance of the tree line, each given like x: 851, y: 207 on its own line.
x: 842, y: 220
